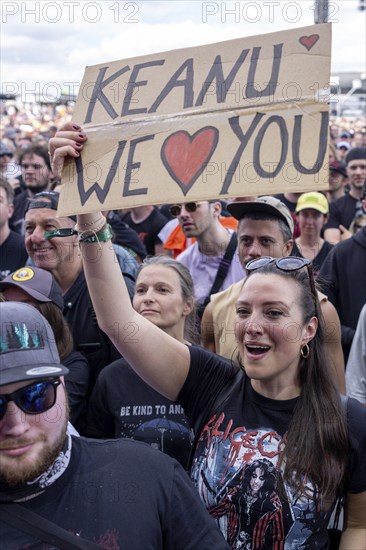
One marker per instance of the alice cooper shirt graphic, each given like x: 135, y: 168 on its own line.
x: 237, y: 478
x: 236, y: 464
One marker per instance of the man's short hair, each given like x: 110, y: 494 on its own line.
x: 9, y: 191
x: 38, y: 150
x: 262, y: 216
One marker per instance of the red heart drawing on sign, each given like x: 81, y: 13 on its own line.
x: 185, y: 156
x: 309, y: 41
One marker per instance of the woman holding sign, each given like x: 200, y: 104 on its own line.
x: 278, y: 404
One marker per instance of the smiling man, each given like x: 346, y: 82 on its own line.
x: 61, y: 257
x: 105, y: 494
x: 343, y: 210
x: 337, y: 180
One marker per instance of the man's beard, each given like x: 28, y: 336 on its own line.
x: 38, y: 188
x: 25, y: 469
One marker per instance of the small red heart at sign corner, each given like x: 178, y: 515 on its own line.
x: 309, y: 41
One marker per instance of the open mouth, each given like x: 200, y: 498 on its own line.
x: 257, y: 350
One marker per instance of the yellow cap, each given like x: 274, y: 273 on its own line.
x: 314, y: 200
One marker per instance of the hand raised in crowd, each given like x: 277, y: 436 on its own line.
x: 345, y: 233
x: 69, y: 141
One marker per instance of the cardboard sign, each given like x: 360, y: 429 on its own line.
x: 242, y: 117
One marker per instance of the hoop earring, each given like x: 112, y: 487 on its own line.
x: 305, y: 351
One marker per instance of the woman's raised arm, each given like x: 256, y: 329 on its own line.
x: 159, y: 359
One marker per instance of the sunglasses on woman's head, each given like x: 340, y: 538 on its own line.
x: 287, y: 263
x: 36, y: 398
x: 176, y: 209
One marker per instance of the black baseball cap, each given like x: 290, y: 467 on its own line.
x: 338, y: 166
x: 45, y: 199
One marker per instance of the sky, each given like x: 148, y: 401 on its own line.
x: 46, y: 45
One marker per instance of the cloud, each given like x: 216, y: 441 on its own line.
x: 47, y: 42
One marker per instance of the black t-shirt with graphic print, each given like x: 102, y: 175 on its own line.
x: 235, y: 462
x: 123, y: 405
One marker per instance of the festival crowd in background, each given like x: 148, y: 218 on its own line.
x: 185, y: 268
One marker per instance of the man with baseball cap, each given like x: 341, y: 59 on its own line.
x: 91, y: 494
x: 337, y: 179
x: 265, y: 229
x: 37, y: 287
x: 52, y: 245
x: 343, y: 210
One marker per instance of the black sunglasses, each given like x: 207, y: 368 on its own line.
x: 176, y: 209
x: 287, y: 263
x: 36, y: 398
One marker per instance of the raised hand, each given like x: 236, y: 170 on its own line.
x: 68, y: 142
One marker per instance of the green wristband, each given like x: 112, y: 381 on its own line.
x: 105, y: 234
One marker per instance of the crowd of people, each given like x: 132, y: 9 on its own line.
x: 227, y: 335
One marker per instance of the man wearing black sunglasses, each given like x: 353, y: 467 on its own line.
x: 30, y: 372
x: 120, y: 494
x: 203, y: 259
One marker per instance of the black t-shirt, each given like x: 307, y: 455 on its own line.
x: 319, y: 258
x: 12, y: 254
x: 341, y: 212
x: 123, y: 405
x: 122, y: 495
x: 292, y: 207
x: 89, y: 339
x: 20, y: 205
x: 235, y: 462
x: 125, y: 236
x: 343, y: 281
x: 148, y: 229
x: 76, y: 383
